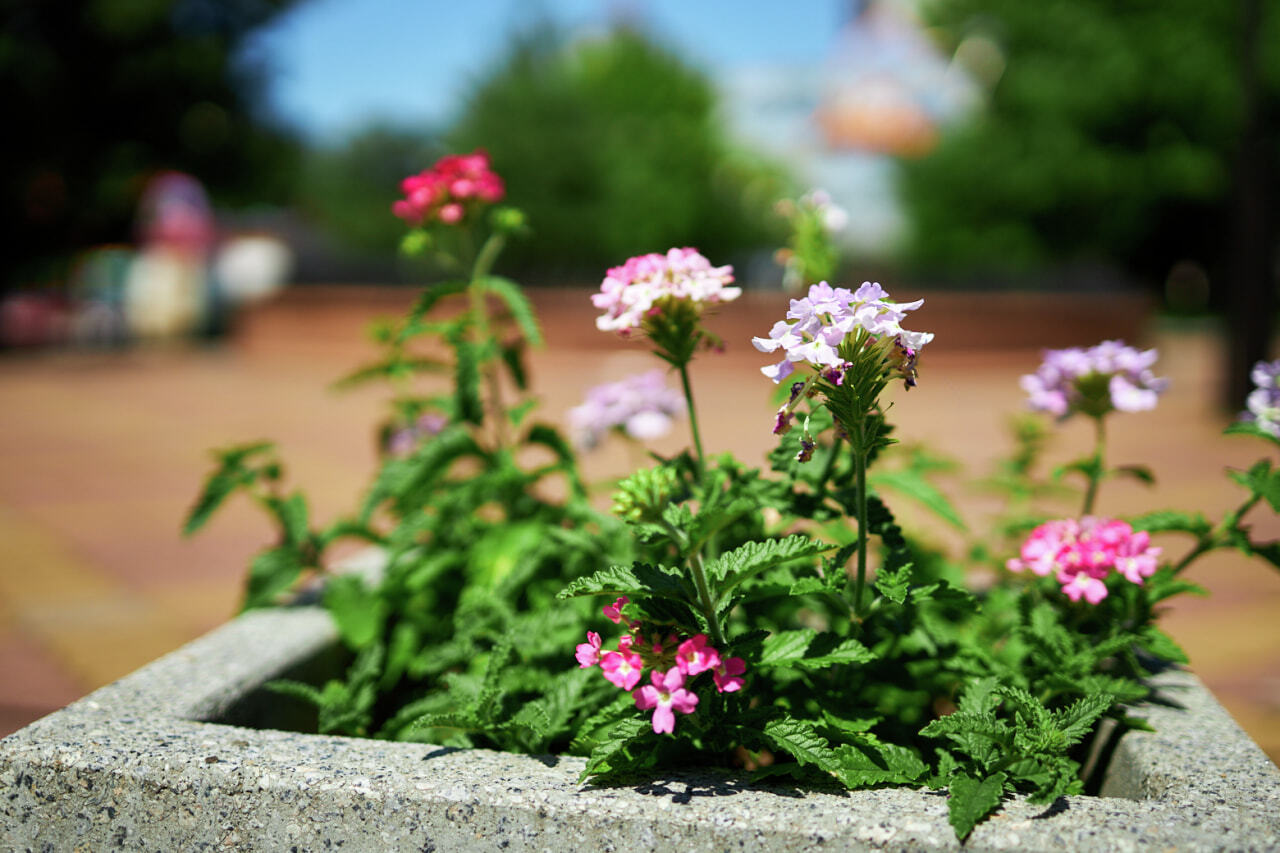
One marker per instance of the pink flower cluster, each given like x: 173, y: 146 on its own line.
x: 1081, y: 554
x: 642, y: 406
x: 1096, y: 380
x: 817, y: 324
x: 631, y: 292
x: 446, y: 190
x: 673, y: 664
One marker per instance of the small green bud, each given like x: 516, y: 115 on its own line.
x: 510, y: 220
x: 645, y: 494
x: 415, y: 243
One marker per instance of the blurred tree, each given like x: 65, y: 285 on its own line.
x: 1113, y: 135
x: 613, y: 148
x: 100, y: 94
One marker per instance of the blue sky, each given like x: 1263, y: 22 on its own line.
x: 339, y: 63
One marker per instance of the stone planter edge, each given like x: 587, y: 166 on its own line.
x: 134, y: 766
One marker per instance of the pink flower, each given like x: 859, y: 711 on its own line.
x: 727, y: 675
x: 665, y: 696
x: 622, y: 669
x: 1081, y: 554
x: 451, y: 213
x: 588, y: 653
x: 613, y: 612
x: 625, y: 642
x: 629, y: 292
x: 694, y: 655
x: 447, y: 190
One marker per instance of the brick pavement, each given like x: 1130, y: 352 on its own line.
x: 101, y: 454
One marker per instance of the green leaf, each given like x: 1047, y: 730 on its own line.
x: 893, y: 583
x: 786, y: 646
x: 1161, y: 645
x: 230, y: 475
x: 466, y: 382
x: 751, y: 558
x: 358, y: 611
x: 395, y: 367
x: 428, y: 300
x: 1141, y: 473
x: 1250, y: 428
x: 518, y: 304
x: 639, y: 579
x: 913, y: 484
x: 272, y: 572
x: 610, y: 748
x: 291, y: 513
x: 1077, y: 719
x: 800, y: 739
x: 805, y: 648
x: 870, y: 762
x: 1164, y: 521
x: 972, y: 800
x: 512, y: 356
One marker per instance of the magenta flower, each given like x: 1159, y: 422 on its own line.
x: 449, y: 189
x: 1108, y: 377
x: 665, y: 696
x: 632, y: 291
x: 613, y: 612
x: 588, y: 653
x: 642, y: 406
x: 1081, y: 554
x: 727, y: 675
x: 623, y: 669
x: 694, y: 656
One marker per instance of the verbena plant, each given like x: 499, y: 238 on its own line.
x: 779, y: 622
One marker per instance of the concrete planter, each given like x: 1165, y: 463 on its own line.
x: 138, y: 765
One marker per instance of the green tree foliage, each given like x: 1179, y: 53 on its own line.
x: 613, y: 148
x: 1110, y: 136
x: 100, y: 95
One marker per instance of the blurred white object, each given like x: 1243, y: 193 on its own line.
x: 252, y: 267
x: 164, y: 293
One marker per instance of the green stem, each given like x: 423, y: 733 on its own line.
x: 693, y: 417
x: 1095, y: 472
x: 704, y: 593
x: 481, y: 333
x: 860, y: 473
x: 1219, y: 536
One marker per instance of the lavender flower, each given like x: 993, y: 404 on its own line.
x: 402, y: 441
x: 642, y: 406
x: 1109, y: 376
x: 1263, y: 403
x: 818, y: 324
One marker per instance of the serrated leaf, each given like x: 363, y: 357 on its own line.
x: 518, y: 304
x: 609, y: 748
x: 1170, y: 520
x: 893, y: 583
x: 972, y: 800
x: 786, y: 646
x: 1141, y: 473
x: 230, y: 475
x: 800, y: 739
x: 639, y: 579
x: 751, y: 558
x: 428, y: 299
x: 1076, y: 721
x: 911, y: 483
x: 979, y: 696
x: 466, y: 382
x: 873, y: 763
x: 807, y: 586
x: 1161, y: 645
x: 394, y: 367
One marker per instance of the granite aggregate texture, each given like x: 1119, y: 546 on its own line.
x: 135, y: 766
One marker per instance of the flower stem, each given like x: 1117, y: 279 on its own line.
x: 481, y: 334
x: 860, y: 473
x: 704, y: 593
x: 693, y: 417
x: 1095, y: 466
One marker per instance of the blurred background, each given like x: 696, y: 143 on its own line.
x: 197, y: 203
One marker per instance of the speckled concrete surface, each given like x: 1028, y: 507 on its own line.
x: 132, y: 767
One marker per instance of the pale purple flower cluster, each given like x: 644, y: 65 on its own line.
x: 1058, y: 386
x: 817, y: 324
x: 402, y: 441
x: 1263, y: 403
x: 642, y: 406
x: 629, y: 293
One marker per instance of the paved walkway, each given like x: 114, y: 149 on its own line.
x: 101, y: 454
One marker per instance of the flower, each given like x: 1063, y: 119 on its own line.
x: 449, y: 189
x: 623, y: 669
x: 1109, y: 376
x: 666, y: 695
x: 402, y: 441
x: 727, y: 675
x: 819, y: 324
x: 1081, y: 554
x: 642, y: 406
x: 1262, y: 406
x: 588, y: 653
x: 635, y: 291
x: 613, y: 612
x: 694, y: 655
